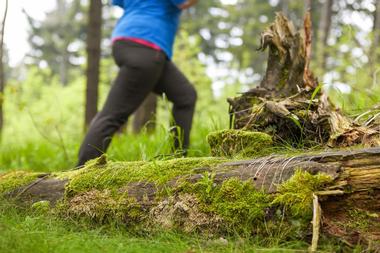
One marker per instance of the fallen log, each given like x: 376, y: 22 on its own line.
x: 211, y: 195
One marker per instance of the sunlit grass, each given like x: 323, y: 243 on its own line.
x: 24, y: 231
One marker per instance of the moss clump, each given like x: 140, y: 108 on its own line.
x: 361, y: 219
x: 241, y: 207
x: 41, y: 206
x: 12, y: 180
x: 114, y: 175
x: 240, y: 204
x: 239, y: 143
x: 296, y: 194
x: 102, y: 207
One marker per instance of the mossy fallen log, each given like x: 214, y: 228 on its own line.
x: 214, y: 196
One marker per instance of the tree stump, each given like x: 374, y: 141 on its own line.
x: 289, y: 104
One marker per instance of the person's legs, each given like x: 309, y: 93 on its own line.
x: 183, y: 95
x: 140, y: 69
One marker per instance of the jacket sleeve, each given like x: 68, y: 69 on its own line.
x: 120, y: 3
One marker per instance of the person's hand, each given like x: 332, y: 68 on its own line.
x: 188, y: 4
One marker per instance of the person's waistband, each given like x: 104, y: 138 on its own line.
x: 138, y: 41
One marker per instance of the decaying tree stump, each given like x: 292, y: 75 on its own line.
x: 289, y: 104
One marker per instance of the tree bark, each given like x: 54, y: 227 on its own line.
x: 2, y: 74
x: 145, y: 116
x: 93, y: 59
x: 287, y: 60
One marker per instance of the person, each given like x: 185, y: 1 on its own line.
x: 142, y: 48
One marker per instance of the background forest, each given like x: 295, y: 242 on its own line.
x: 44, y: 101
x: 48, y: 98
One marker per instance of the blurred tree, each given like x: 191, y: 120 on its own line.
x: 93, y: 42
x: 324, y: 27
x: 374, y: 50
x: 285, y: 7
x: 2, y: 73
x: 57, y: 40
x: 145, y: 116
x: 230, y: 31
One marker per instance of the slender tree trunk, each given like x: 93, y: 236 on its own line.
x: 94, y: 36
x: 2, y: 74
x: 145, y: 116
x: 64, y: 67
x: 307, y: 5
x: 323, y: 33
x: 285, y: 7
x: 374, y: 52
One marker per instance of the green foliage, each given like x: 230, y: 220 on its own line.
x: 296, y: 194
x: 59, y: 38
x: 239, y: 143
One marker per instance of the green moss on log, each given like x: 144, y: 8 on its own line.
x: 13, y: 180
x: 41, y: 207
x: 244, y: 209
x: 239, y: 143
x: 296, y: 194
x: 99, y: 193
x: 114, y: 175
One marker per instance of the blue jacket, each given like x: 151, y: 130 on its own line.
x: 155, y: 21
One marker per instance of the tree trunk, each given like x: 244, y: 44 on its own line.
x: 307, y: 5
x: 374, y: 52
x: 323, y: 34
x: 285, y: 7
x: 2, y: 74
x: 145, y: 116
x: 93, y: 59
x: 64, y: 67
x: 355, y: 185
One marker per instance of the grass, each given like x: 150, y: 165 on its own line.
x: 25, y: 231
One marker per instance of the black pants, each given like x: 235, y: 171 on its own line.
x: 142, y: 70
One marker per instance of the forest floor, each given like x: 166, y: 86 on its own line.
x: 34, y: 140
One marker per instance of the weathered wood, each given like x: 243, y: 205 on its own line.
x: 357, y: 170
x: 289, y: 56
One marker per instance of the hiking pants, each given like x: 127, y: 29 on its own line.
x: 142, y: 70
